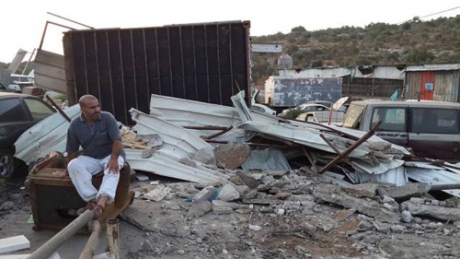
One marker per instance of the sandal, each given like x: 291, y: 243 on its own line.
x: 89, y: 206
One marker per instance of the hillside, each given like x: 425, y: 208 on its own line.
x: 413, y: 42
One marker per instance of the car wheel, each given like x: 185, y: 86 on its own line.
x: 7, y: 164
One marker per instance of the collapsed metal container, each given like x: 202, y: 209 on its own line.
x: 206, y: 62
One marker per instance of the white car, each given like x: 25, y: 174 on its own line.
x: 263, y: 109
x: 307, y: 108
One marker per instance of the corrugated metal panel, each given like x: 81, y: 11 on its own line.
x: 50, y: 72
x: 433, y: 67
x: 122, y: 67
x: 413, y: 81
x: 427, y: 77
x: 447, y: 84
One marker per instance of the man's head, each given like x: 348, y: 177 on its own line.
x: 89, y: 106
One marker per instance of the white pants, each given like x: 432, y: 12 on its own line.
x: 81, y: 171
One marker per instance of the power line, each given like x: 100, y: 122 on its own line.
x: 432, y: 14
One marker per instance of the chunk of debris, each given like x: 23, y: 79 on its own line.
x: 157, y: 194
x: 231, y: 155
x: 362, y: 190
x: 141, y: 177
x: 333, y: 194
x: 248, y: 180
x: 205, y: 194
x: 12, y: 244
x: 283, y: 195
x: 228, y: 193
x: 406, y: 217
x: 199, y: 209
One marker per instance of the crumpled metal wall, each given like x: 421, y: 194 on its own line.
x: 122, y: 67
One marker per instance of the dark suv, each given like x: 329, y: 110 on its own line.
x: 18, y: 112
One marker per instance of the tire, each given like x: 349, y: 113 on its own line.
x: 7, y: 164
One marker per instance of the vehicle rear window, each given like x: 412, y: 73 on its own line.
x: 434, y: 121
x: 11, y: 111
x: 38, y: 109
x: 393, y: 119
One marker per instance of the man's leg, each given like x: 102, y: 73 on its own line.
x: 109, y: 184
x: 81, y: 171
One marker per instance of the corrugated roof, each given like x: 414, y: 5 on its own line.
x: 433, y: 67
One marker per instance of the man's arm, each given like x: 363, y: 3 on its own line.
x: 70, y: 156
x: 72, y: 145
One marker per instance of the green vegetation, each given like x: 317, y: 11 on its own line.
x: 413, y: 42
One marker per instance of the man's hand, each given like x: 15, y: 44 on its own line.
x: 112, y: 165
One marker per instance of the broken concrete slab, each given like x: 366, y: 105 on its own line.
x: 407, y: 191
x: 276, y: 172
x: 231, y: 155
x: 333, y: 194
x: 12, y: 244
x: 205, y: 194
x: 228, y: 193
x: 362, y: 190
x: 199, y: 209
x: 221, y: 208
x: 433, y: 211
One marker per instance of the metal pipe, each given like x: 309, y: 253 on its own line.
x: 58, y: 108
x: 67, y: 19
x: 207, y: 127
x: 93, y: 241
x: 113, y: 237
x: 47, y: 249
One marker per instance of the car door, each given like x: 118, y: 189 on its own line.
x: 14, y: 120
x: 394, y: 124
x: 434, y: 132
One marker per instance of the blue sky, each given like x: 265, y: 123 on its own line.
x: 24, y: 21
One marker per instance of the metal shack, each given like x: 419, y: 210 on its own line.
x: 122, y: 67
x: 331, y: 83
x: 433, y: 82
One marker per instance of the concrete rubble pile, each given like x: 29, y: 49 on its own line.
x: 294, y: 214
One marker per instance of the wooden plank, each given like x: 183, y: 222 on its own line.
x: 50, y: 83
x: 49, y: 58
x: 50, y: 71
x: 12, y: 244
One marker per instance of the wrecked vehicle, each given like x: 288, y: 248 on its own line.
x: 430, y: 129
x: 18, y: 112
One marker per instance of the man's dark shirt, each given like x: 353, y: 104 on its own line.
x: 96, y: 140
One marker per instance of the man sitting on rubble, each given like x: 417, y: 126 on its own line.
x: 97, y: 133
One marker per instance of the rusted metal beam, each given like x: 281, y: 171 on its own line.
x: 113, y: 237
x: 218, y: 133
x: 330, y: 144
x: 351, y: 148
x: 205, y: 127
x: 310, y: 158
